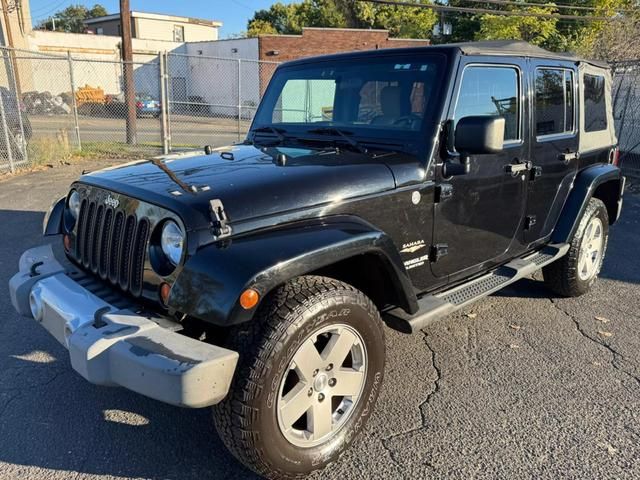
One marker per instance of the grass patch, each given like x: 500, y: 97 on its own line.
x: 47, y: 151
x: 116, y: 150
x: 56, y: 150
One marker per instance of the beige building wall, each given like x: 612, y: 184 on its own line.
x: 153, y: 26
x: 52, y: 73
x: 166, y: 27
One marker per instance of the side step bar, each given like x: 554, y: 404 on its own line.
x: 433, y: 307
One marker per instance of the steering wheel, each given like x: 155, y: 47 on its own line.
x: 407, y: 120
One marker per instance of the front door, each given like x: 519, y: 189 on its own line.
x: 478, y: 223
x: 554, y: 144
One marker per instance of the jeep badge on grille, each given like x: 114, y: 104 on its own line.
x: 112, y: 202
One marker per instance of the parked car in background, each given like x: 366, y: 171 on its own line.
x: 17, y: 123
x: 146, y: 106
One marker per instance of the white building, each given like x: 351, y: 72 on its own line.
x: 154, y: 26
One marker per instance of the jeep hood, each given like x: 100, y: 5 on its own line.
x: 249, y: 181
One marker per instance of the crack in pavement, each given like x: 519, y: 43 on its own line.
x: 616, y: 357
x: 421, y: 408
x: 7, y: 403
x: 20, y: 391
x: 57, y: 374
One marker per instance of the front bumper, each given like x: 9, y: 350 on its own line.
x: 115, y: 346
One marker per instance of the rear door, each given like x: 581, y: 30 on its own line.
x: 480, y: 221
x: 554, y: 144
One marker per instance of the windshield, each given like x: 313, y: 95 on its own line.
x: 360, y: 96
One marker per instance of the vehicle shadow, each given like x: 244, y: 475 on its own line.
x: 621, y: 262
x: 526, y: 288
x: 51, y: 418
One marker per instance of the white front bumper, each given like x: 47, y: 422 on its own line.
x: 108, y: 346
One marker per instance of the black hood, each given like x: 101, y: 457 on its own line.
x: 250, y: 182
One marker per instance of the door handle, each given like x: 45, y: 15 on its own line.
x: 568, y: 156
x: 516, y: 168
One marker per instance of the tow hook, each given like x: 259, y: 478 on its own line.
x: 33, y: 272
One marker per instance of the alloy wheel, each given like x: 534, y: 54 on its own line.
x: 322, y: 385
x: 591, y: 249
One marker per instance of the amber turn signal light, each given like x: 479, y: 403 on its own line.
x: 165, y: 290
x: 66, y: 241
x: 249, y: 299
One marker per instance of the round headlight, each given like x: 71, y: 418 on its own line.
x: 74, y: 204
x: 172, y: 242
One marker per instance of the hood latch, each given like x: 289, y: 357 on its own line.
x: 221, y: 228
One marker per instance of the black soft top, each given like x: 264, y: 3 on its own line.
x: 513, y: 48
x: 518, y: 48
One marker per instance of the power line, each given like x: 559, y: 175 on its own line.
x: 48, y: 7
x: 446, y: 8
x: 243, y: 5
x: 547, y: 5
x: 51, y: 10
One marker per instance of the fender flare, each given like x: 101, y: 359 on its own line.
x: 585, y: 185
x: 52, y: 223
x: 211, y: 281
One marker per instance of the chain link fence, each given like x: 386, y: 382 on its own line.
x: 212, y: 100
x: 55, y: 106
x: 626, y: 112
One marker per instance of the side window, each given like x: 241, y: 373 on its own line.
x: 178, y: 33
x: 492, y: 91
x: 554, y: 101
x: 595, y: 112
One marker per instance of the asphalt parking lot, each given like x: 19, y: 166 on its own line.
x: 523, y: 385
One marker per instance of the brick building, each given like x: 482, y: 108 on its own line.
x: 320, y: 41
x: 281, y: 48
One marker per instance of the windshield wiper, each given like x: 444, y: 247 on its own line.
x: 342, y: 133
x: 268, y: 128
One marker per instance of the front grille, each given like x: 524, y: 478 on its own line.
x: 112, y: 244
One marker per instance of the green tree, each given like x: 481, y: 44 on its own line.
x: 401, y: 21
x: 71, y: 18
x: 615, y: 39
x: 260, y: 27
x: 284, y: 19
x: 535, y: 30
x: 586, y: 37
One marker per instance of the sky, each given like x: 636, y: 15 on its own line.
x: 232, y: 13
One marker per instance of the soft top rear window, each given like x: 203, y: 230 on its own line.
x: 595, y: 111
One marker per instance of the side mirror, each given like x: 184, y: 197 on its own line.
x: 479, y: 135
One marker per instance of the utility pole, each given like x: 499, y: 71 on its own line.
x: 127, y: 70
x: 9, y: 37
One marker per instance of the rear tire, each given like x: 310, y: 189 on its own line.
x: 309, y: 320
x: 575, y: 273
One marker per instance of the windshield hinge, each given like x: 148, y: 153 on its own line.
x: 443, y: 191
x: 219, y: 219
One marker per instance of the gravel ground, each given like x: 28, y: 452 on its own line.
x: 523, y: 385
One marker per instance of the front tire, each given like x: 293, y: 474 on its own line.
x: 575, y: 273
x: 310, y: 369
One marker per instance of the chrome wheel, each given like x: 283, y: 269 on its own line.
x: 322, y: 385
x: 591, y: 250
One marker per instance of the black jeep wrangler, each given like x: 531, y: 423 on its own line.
x: 393, y: 185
